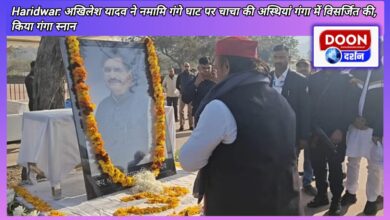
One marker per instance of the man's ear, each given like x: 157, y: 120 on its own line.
x: 131, y: 79
x: 227, y: 66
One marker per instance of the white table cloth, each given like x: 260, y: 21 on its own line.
x: 16, y: 107
x: 49, y: 139
x: 15, y: 111
x: 170, y: 117
x: 74, y: 199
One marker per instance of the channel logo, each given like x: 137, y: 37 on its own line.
x: 345, y: 46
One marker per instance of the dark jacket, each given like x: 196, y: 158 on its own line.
x: 28, y: 81
x: 182, y: 79
x: 332, y: 104
x: 373, y: 106
x: 257, y: 173
x: 295, y: 90
x: 194, y: 95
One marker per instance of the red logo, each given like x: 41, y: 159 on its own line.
x: 345, y: 39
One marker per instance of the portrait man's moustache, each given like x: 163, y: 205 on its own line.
x: 115, y: 80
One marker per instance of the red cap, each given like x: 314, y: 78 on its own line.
x: 237, y: 46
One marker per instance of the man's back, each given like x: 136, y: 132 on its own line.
x: 256, y: 174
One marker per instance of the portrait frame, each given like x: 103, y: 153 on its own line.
x: 102, y: 183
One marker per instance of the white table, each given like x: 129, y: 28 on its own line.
x: 49, y: 140
x: 16, y: 107
x: 74, y: 199
x: 15, y: 111
x: 170, y: 117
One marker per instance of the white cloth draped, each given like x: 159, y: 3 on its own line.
x: 49, y: 139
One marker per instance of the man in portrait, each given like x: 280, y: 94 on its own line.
x: 121, y: 115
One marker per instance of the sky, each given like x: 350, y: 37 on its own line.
x: 304, y: 46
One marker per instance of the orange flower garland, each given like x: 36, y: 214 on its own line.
x: 81, y: 89
x: 171, y: 202
x: 35, y: 201
x: 141, y: 211
x: 189, y: 211
x: 172, y: 191
x: 170, y: 197
x: 56, y: 213
x: 175, y: 191
x: 159, y: 151
x: 177, y: 164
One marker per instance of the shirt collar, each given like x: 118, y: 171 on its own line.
x: 121, y: 98
x: 283, y: 76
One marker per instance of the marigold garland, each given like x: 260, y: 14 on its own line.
x: 170, y: 197
x: 171, y: 202
x: 177, y: 164
x: 86, y: 106
x: 56, y: 213
x: 159, y: 151
x: 172, y: 191
x: 141, y: 211
x: 36, y: 202
x: 175, y: 191
x: 189, y: 211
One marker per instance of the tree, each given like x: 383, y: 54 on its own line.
x: 185, y: 49
x: 268, y: 42
x: 188, y: 49
x: 49, y: 75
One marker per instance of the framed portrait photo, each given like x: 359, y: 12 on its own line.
x: 120, y: 87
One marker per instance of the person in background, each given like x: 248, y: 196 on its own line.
x: 185, y: 77
x: 331, y: 101
x: 214, y: 72
x: 197, y: 89
x: 244, y: 142
x: 169, y: 84
x: 365, y: 139
x: 303, y: 66
x: 194, y: 72
x: 28, y: 81
x: 293, y: 86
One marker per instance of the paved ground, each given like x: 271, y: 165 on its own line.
x: 181, y: 138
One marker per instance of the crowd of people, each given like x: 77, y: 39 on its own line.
x: 250, y: 124
x: 188, y: 89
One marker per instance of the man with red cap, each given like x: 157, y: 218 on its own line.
x: 244, y: 142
